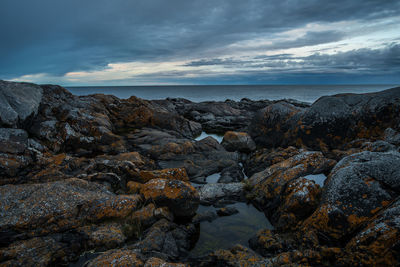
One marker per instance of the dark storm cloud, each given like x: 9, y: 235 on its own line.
x: 55, y: 37
x: 358, y: 61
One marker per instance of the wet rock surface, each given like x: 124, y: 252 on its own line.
x: 127, y: 180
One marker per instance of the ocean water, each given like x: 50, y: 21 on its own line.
x: 198, y: 93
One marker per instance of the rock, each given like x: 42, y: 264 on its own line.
x: 330, y: 122
x: 392, y: 137
x: 378, y: 242
x: 166, y: 240
x: 171, y: 174
x: 210, y: 193
x: 238, y: 141
x: 269, y: 243
x: 39, y: 209
x: 118, y: 257
x: 113, y: 181
x: 108, y: 235
x: 307, y: 257
x: 358, y: 188
x: 153, y: 262
x: 227, y: 211
x: 263, y: 158
x: 133, y: 187
x: 378, y: 146
x: 270, y: 124
x: 237, y: 256
x: 38, y: 251
x: 301, y: 198
x: 231, y: 175
x: 13, y: 141
x: 180, y: 197
x: 18, y: 102
x: 149, y: 214
x: 269, y: 185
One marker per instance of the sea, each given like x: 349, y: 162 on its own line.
x: 199, y: 93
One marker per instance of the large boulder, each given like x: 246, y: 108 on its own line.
x: 358, y: 188
x: 18, y: 102
x: 238, y: 141
x: 180, y: 197
x: 271, y: 188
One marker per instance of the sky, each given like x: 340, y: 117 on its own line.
x: 166, y: 42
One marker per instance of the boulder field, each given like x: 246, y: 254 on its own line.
x: 102, y: 181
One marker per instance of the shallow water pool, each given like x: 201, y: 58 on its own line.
x: 224, y: 232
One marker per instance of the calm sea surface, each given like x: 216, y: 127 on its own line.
x: 306, y: 93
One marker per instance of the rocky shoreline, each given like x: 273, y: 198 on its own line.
x: 125, y: 178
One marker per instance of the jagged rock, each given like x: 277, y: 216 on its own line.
x: 18, y: 102
x: 180, y: 197
x: 358, y: 188
x: 238, y: 141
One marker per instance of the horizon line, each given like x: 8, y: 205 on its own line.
x: 182, y: 85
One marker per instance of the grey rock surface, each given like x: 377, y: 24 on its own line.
x: 18, y: 101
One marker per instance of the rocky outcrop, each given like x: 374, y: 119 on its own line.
x: 238, y: 141
x: 330, y: 122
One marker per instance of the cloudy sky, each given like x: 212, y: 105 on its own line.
x: 132, y: 42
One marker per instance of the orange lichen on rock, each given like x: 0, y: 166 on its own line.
x: 133, y: 187
x: 179, y: 196
x: 120, y: 257
x: 170, y: 174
